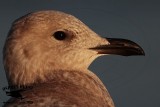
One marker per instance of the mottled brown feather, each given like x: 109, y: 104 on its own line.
x: 67, y: 91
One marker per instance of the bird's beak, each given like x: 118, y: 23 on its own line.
x: 119, y: 47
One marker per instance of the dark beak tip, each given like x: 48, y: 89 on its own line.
x: 142, y: 53
x: 140, y: 50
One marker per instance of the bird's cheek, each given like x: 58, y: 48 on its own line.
x: 84, y: 58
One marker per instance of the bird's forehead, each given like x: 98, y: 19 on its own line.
x: 51, y: 20
x: 52, y: 17
x: 61, y: 21
x: 65, y: 21
x: 44, y: 23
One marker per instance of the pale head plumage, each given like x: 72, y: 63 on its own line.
x: 31, y: 52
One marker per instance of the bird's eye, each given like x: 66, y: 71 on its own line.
x: 60, y: 35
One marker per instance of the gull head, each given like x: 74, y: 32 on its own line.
x: 41, y: 42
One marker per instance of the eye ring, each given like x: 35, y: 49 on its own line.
x: 60, y: 35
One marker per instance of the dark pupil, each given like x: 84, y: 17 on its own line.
x: 59, y: 35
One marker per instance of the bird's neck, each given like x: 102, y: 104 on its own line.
x: 30, y: 77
